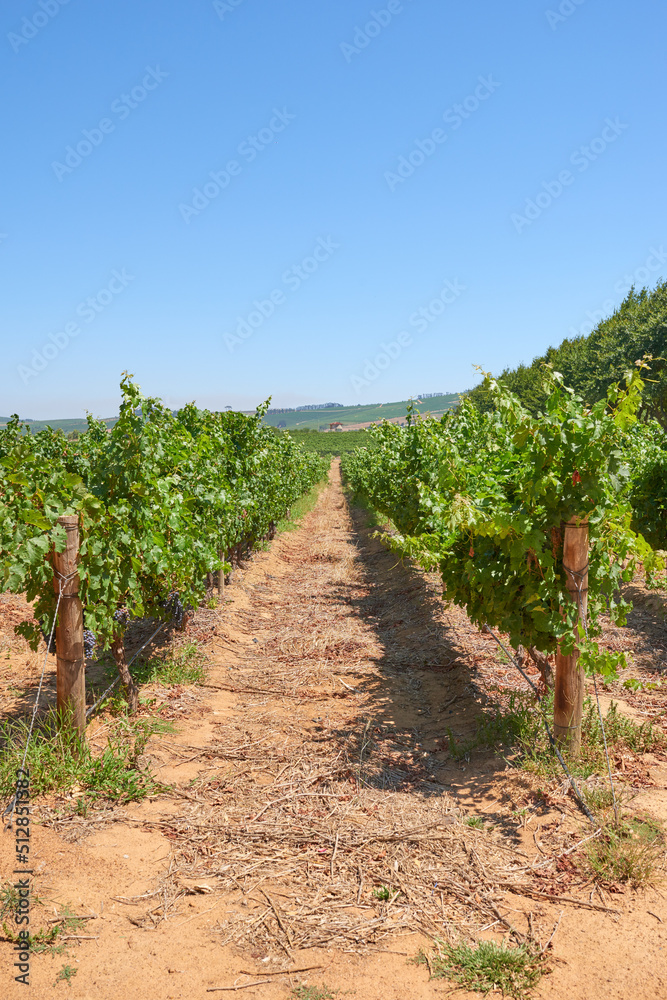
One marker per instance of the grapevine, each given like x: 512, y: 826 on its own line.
x: 161, y: 499
x: 484, y: 498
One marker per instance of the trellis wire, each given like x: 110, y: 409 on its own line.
x: 115, y: 683
x: 552, y: 741
x: 12, y: 805
x: 61, y: 581
x: 578, y: 584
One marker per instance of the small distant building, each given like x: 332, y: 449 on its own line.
x: 337, y: 426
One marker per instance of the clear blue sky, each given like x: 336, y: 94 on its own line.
x: 180, y: 88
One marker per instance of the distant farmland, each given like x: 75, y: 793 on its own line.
x: 295, y: 419
x: 66, y: 425
x: 350, y: 415
x: 332, y: 444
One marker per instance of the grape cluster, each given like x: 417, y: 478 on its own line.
x: 175, y: 612
x: 122, y: 616
x: 45, y: 629
x: 89, y: 640
x: 89, y: 643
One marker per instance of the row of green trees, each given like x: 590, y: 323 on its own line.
x: 591, y: 364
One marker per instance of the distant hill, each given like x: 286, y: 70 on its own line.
x: 73, y: 424
x: 301, y: 419
x: 362, y: 414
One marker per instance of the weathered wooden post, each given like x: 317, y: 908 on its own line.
x: 70, y: 661
x: 569, y: 693
x: 221, y: 576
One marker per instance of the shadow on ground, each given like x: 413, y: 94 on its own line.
x: 427, y: 691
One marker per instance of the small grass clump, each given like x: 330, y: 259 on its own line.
x: 476, y: 822
x: 632, y: 852
x: 383, y: 893
x: 517, y: 728
x: 45, y: 940
x: 9, y: 900
x: 184, y: 665
x: 515, y: 971
x: 313, y: 993
x: 65, y: 975
x: 60, y: 762
x: 515, y: 725
x: 598, y: 800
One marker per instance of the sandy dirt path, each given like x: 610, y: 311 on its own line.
x: 315, y: 820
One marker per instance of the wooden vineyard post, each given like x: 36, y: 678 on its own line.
x: 569, y: 693
x: 221, y: 576
x: 70, y: 661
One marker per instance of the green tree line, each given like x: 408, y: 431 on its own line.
x: 591, y: 364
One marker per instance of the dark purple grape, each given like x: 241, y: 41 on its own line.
x: 45, y: 629
x: 174, y: 609
x: 89, y: 643
x: 121, y: 615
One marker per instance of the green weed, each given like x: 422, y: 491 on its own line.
x: 313, y: 993
x: 184, y: 665
x: 59, y: 762
x: 517, y: 729
x: 45, y: 940
x: 373, y: 519
x: 631, y: 852
x: 9, y: 900
x: 384, y: 893
x: 66, y: 974
x: 514, y: 726
x: 487, y: 966
x: 598, y: 800
x: 476, y: 822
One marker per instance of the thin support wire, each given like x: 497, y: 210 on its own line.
x: 578, y: 581
x: 552, y: 741
x: 62, y: 580
x: 12, y: 805
x: 115, y: 683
